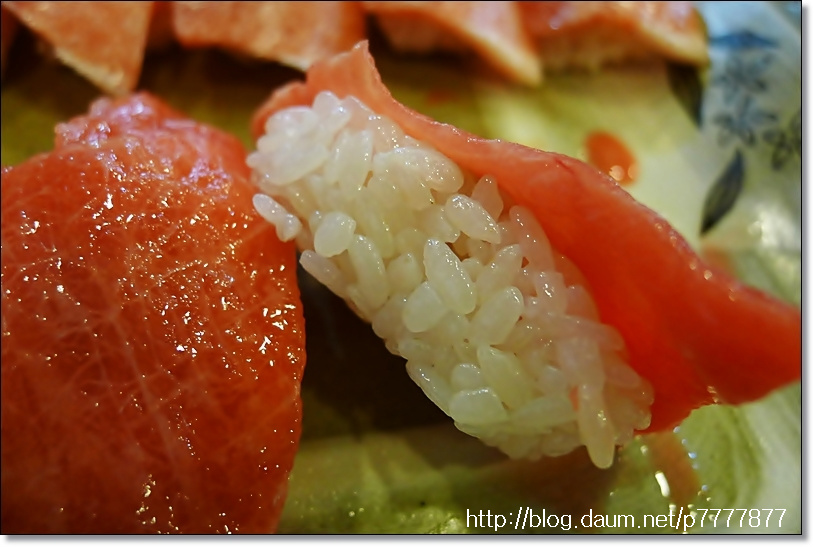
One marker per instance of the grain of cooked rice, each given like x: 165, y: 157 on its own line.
x: 456, y: 280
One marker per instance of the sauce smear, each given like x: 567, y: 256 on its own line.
x: 611, y: 156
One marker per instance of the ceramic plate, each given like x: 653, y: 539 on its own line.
x: 717, y: 152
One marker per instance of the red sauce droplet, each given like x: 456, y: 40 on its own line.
x: 611, y: 156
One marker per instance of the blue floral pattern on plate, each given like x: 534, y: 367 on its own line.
x: 746, y: 119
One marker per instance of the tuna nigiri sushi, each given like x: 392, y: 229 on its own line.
x: 103, y: 41
x: 494, y: 31
x: 593, y: 34
x: 293, y: 33
x: 534, y: 300
x: 153, y: 337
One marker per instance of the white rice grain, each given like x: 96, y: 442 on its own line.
x: 369, y: 267
x: 477, y: 406
x: 447, y: 276
x: 287, y: 225
x: 471, y: 218
x: 487, y: 194
x: 334, y: 234
x: 496, y: 318
x: 423, y: 309
x: 467, y: 376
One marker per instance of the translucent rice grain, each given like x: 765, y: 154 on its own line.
x: 643, y: 393
x: 559, y: 443
x: 325, y: 272
x: 417, y: 195
x: 385, y: 192
x: 294, y: 161
x: 430, y: 167
x: 387, y: 322
x: 473, y: 267
x: 447, y: 276
x: 372, y: 225
x: 445, y: 359
x: 524, y: 280
x: 569, y: 326
x: 452, y: 326
x: 497, y: 316
x: 414, y: 349
x: 466, y: 376
x: 595, y: 428
x: 487, y: 194
x: 326, y: 104
x: 411, y: 240
x: 623, y: 410
x: 517, y: 446
x: 351, y: 160
x: 523, y: 334
x: 288, y: 125
x: 534, y: 307
x: 398, y: 217
x: 314, y: 220
x: 360, y: 115
x: 300, y: 199
x: 405, y: 272
x: 550, y: 380
x: 550, y: 288
x: 386, y: 135
x: 539, y: 415
x: 334, y: 234
x: 500, y: 271
x: 370, y: 271
x: 332, y: 114
x: 466, y: 352
x: 476, y: 248
x: 532, y: 239
x: 477, y: 407
x: 360, y: 302
x: 408, y: 179
x: 508, y: 232
x: 286, y: 224
x: 433, y: 384
x: 579, y: 360
x: 469, y: 216
x: 328, y: 198
x: 505, y: 374
x: 432, y: 220
x: 423, y: 309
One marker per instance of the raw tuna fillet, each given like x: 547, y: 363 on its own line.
x: 103, y: 41
x: 592, y: 34
x: 153, y: 338
x: 697, y: 336
x: 293, y: 33
x: 491, y: 30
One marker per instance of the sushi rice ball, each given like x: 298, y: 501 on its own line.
x: 496, y: 326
